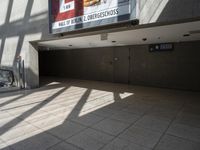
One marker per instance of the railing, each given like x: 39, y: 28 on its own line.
x: 6, y: 78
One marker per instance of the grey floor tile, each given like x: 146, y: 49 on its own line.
x: 120, y: 144
x: 49, y: 123
x: 90, y: 139
x: 105, y: 112
x: 55, y: 108
x: 38, y: 118
x: 67, y: 113
x: 175, y: 143
x: 111, y: 126
x: 87, y: 119
x: 11, y: 122
x: 4, y: 115
x: 13, y: 133
x: 64, y: 146
x: 36, y: 115
x: 66, y: 130
x: 20, y: 111
x: 163, y: 114
x: 184, y: 131
x: 117, y: 106
x: 41, y: 141
x: 194, y: 110
x: 153, y: 123
x: 168, y: 105
x: 188, y: 119
x: 52, y: 107
x: 160, y: 106
x: 141, y: 136
x: 137, y: 109
x: 23, y: 137
x: 125, y: 117
x: 4, y: 146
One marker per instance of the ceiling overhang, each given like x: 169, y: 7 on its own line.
x: 181, y: 32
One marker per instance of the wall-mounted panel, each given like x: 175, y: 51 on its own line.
x: 69, y: 15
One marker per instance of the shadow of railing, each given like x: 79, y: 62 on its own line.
x: 68, y: 116
x: 24, y: 115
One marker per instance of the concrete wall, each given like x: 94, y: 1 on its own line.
x: 173, y: 69
x: 22, y: 21
x: 152, y: 11
x: 93, y: 64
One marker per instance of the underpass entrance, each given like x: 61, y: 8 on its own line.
x: 110, y: 64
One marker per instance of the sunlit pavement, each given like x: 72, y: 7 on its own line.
x: 77, y: 114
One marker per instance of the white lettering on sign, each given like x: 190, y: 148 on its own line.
x: 68, y: 15
x: 64, y: 7
x: 91, y: 17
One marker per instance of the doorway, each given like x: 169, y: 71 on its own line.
x: 121, y: 64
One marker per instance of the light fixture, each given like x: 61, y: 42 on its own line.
x: 144, y: 39
x: 104, y: 36
x: 187, y: 34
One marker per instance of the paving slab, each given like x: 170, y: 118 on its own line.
x: 111, y: 126
x: 90, y: 139
x: 83, y: 115
x: 141, y: 136
x: 185, y: 131
x: 153, y: 123
x: 120, y: 144
x: 66, y: 130
x: 64, y: 146
x: 169, y: 142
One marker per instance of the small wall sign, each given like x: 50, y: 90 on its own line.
x: 161, y: 47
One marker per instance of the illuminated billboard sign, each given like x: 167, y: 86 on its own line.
x: 69, y: 15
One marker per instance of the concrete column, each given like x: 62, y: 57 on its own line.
x: 32, y: 67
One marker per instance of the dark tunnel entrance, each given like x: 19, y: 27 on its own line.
x: 109, y: 64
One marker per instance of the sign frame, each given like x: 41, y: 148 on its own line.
x: 161, y: 47
x: 105, y: 22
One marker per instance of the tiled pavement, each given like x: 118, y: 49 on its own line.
x: 89, y: 115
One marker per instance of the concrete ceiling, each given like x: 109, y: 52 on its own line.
x: 158, y: 34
